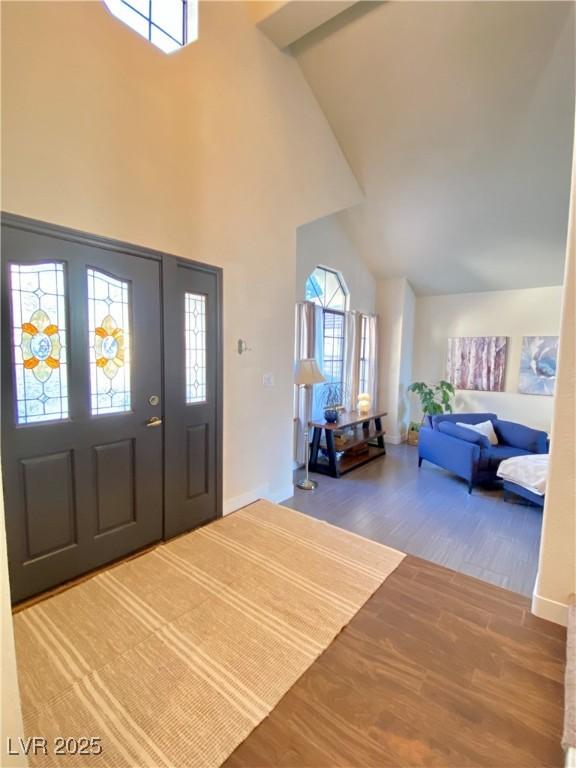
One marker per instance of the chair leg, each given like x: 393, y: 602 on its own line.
x: 420, y: 460
x: 470, y: 486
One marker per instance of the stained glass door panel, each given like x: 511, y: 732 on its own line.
x: 82, y: 379
x: 195, y: 342
x: 109, y: 343
x: 40, y: 368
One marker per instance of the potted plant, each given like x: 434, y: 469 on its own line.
x: 332, y: 398
x: 433, y: 400
x: 413, y: 432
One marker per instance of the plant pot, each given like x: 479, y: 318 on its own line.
x: 331, y: 415
x: 412, y: 438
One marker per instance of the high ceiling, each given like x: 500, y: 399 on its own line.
x: 457, y: 119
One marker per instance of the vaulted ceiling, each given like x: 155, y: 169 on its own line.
x: 457, y: 119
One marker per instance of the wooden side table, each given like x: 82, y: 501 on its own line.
x: 367, y: 429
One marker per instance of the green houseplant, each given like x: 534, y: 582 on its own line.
x: 433, y: 399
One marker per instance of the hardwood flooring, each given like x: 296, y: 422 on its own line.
x: 437, y: 669
x: 427, y: 512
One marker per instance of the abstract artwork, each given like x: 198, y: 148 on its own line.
x: 477, y: 362
x: 538, y: 365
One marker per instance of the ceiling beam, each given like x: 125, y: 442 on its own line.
x: 286, y: 22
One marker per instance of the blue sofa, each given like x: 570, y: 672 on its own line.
x: 469, y: 454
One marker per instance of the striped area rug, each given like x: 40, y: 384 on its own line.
x: 172, y: 658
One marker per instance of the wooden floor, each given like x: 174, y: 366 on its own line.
x: 428, y: 513
x: 437, y: 669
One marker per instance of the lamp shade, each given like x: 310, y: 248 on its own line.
x: 307, y: 372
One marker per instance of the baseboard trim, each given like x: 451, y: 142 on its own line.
x: 262, y: 492
x: 237, y: 502
x: 548, y: 609
x: 280, y: 495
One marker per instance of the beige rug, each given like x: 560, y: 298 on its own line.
x: 174, y: 657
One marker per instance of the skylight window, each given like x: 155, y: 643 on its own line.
x: 167, y: 24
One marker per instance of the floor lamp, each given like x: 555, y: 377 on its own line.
x: 307, y: 373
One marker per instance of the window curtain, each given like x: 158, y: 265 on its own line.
x: 352, y: 346
x: 372, y: 342
x: 308, y: 344
x: 318, y: 353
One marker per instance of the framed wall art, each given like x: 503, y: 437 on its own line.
x: 477, y: 362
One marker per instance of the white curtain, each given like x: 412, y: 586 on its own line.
x: 352, y: 348
x: 372, y: 341
x: 317, y: 412
x: 308, y: 344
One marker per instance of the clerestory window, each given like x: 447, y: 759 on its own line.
x: 167, y: 24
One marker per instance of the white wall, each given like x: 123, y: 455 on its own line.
x: 406, y: 354
x: 395, y: 303
x: 10, y: 711
x: 325, y: 243
x: 525, y: 312
x: 11, y: 716
x: 217, y: 153
x: 556, y: 580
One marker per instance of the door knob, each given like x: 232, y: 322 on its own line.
x: 154, y: 421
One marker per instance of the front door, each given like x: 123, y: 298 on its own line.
x: 83, y: 415
x: 193, y: 397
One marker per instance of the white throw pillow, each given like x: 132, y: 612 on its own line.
x: 485, y: 428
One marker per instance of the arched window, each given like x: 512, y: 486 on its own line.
x: 327, y: 288
x: 167, y: 24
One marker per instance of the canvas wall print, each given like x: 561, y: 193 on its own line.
x: 538, y: 365
x: 477, y: 362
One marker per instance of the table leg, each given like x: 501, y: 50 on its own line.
x: 380, y: 439
x: 317, y: 434
x: 331, y: 450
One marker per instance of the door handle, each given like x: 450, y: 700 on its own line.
x: 154, y: 421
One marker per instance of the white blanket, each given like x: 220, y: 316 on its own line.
x: 530, y: 472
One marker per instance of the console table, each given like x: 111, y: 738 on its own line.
x: 367, y: 428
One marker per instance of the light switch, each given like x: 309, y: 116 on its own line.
x: 268, y: 379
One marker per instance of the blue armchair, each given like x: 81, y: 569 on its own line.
x: 469, y: 454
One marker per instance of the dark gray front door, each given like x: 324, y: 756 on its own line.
x: 82, y: 459
x: 111, y: 400
x: 193, y: 395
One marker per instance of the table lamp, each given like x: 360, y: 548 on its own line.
x: 306, y: 373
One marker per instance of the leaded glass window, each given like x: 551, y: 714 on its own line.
x: 109, y: 341
x: 333, y: 348
x: 39, y: 340
x: 167, y: 24
x: 327, y: 288
x: 195, y: 339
